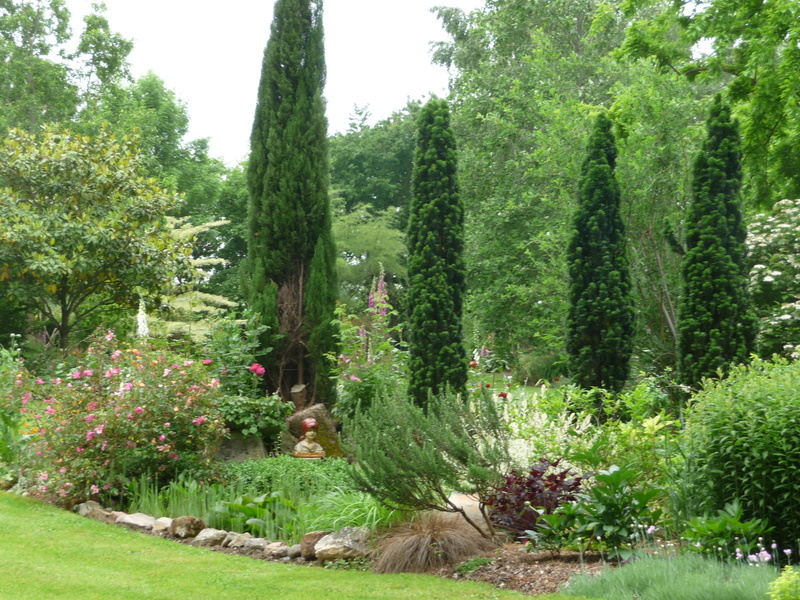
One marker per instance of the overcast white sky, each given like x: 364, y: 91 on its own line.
x: 377, y: 53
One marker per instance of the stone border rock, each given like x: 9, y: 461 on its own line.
x: 316, y: 547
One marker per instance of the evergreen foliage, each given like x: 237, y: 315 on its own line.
x: 435, y: 261
x: 290, y: 276
x: 601, y: 319
x: 411, y: 458
x: 716, y: 326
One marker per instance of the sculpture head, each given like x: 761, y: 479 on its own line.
x: 309, y: 424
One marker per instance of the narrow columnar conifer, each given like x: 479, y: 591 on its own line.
x: 716, y: 323
x: 601, y: 318
x: 437, y: 359
x: 290, y: 276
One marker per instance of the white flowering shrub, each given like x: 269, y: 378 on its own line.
x: 773, y: 242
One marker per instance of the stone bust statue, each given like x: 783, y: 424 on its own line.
x: 307, y: 446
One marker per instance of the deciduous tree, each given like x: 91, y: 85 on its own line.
x: 83, y: 229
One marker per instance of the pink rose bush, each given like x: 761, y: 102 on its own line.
x: 115, y: 417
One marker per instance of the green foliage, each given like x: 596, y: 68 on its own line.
x: 469, y: 566
x: 742, y: 444
x: 753, y: 51
x: 290, y: 273
x: 411, y: 458
x: 231, y: 347
x: 726, y: 532
x: 85, y: 230
x: 716, y: 325
x: 10, y: 438
x: 270, y: 516
x: 255, y: 416
x: 600, y: 320
x: 435, y: 263
x: 370, y: 359
x: 787, y: 586
x: 118, y: 414
x: 685, y: 576
x: 311, y: 477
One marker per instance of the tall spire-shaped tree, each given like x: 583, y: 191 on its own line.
x: 716, y: 324
x: 601, y: 318
x: 290, y: 276
x: 435, y: 260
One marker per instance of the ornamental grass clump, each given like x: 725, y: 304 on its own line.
x: 743, y: 443
x: 433, y: 540
x: 120, y: 413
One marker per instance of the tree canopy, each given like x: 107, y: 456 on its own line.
x: 83, y: 228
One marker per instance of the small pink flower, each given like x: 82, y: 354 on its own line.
x: 130, y: 416
x: 62, y: 470
x: 214, y: 383
x: 130, y: 444
x: 188, y: 363
x: 89, y: 418
x: 89, y: 436
x: 77, y: 375
x: 88, y: 373
x: 95, y: 489
x: 40, y: 381
x: 207, y: 361
x: 354, y: 378
x: 116, y: 354
x: 200, y: 420
x: 257, y: 369
x: 109, y: 335
x: 78, y: 450
x: 44, y: 476
x: 128, y: 386
x: 103, y: 445
x: 173, y: 455
x: 107, y: 486
x: 50, y: 411
x: 167, y: 424
x: 167, y: 372
x: 138, y: 410
x: 162, y: 438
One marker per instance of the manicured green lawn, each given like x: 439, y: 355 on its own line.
x: 50, y: 554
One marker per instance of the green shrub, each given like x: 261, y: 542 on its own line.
x: 725, y: 533
x: 118, y: 414
x: 264, y: 416
x: 743, y: 442
x: 684, y: 577
x: 787, y: 586
x: 289, y: 474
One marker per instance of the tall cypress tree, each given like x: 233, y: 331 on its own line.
x: 601, y: 319
x: 716, y: 324
x: 290, y: 276
x: 435, y: 260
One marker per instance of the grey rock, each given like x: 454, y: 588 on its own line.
x: 162, y: 525
x: 137, y: 521
x: 309, y: 541
x: 255, y: 543
x: 276, y: 550
x: 235, y: 539
x: 84, y: 508
x: 293, y: 552
x: 347, y: 543
x: 102, y: 515
x: 238, y: 448
x: 209, y: 537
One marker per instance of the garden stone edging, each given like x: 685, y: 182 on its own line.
x: 320, y: 546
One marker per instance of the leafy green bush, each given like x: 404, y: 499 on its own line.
x: 10, y: 437
x: 265, y: 416
x: 743, y: 442
x: 726, y: 532
x: 312, y: 477
x: 787, y: 586
x: 119, y: 413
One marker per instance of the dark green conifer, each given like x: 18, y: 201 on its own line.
x: 290, y: 276
x: 435, y: 261
x: 716, y: 326
x: 601, y: 319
